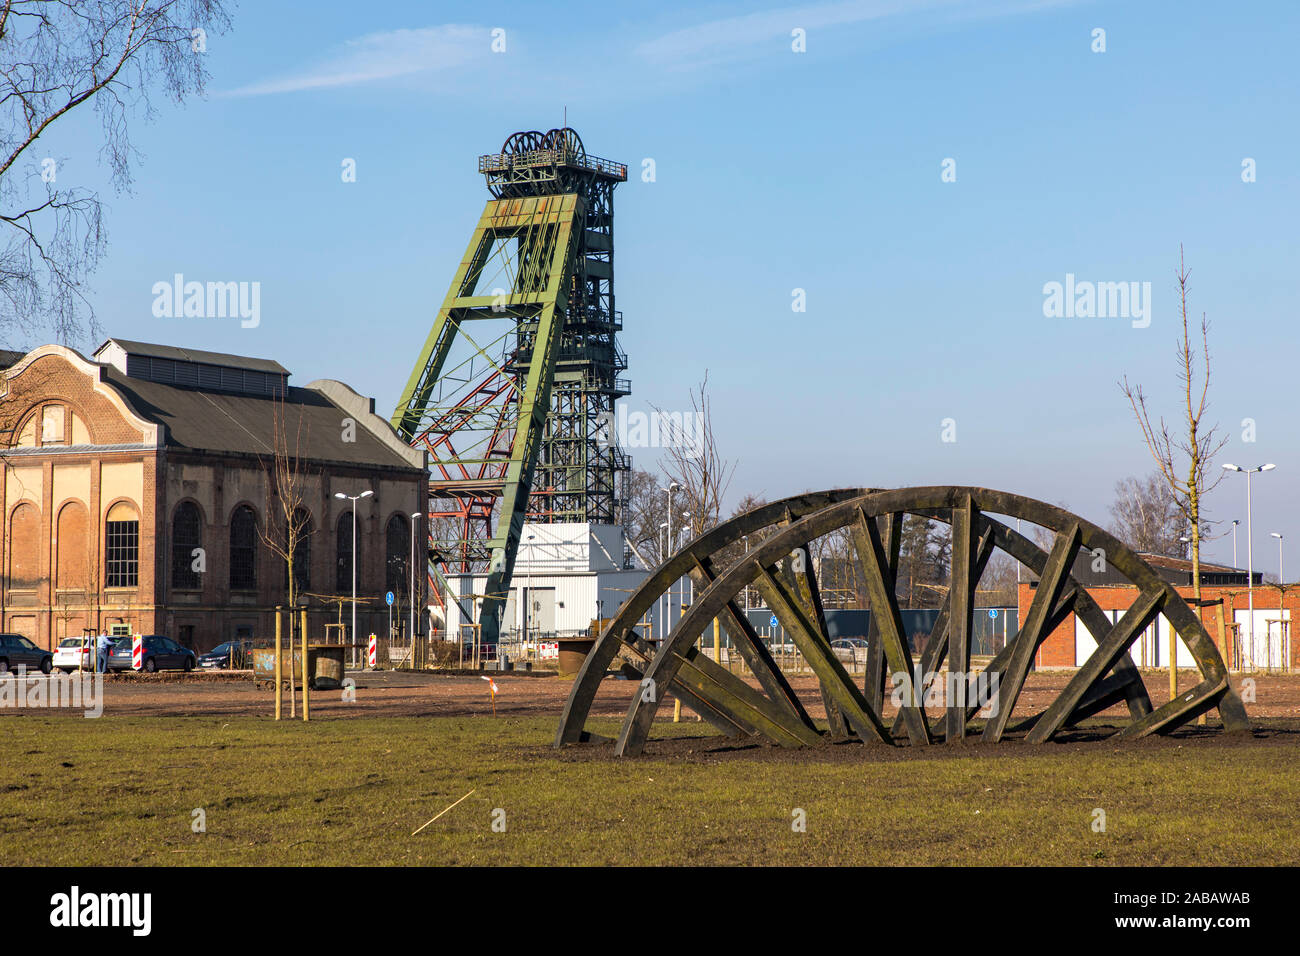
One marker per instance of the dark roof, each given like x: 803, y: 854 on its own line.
x: 1182, y: 564
x: 196, y: 355
x: 245, y: 424
x: 8, y: 359
x: 1176, y: 571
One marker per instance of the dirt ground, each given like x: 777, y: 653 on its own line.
x: 404, y: 694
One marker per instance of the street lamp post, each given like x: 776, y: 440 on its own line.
x: 684, y: 536
x: 1250, y: 566
x: 353, y: 499
x: 528, y: 588
x: 673, y: 486
x: 662, y: 540
x: 1235, y: 522
x: 1278, y: 535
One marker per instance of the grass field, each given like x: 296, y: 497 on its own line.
x: 124, y: 791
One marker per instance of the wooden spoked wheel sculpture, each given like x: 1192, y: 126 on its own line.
x: 781, y: 571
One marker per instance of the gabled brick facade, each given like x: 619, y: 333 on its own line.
x: 80, y: 444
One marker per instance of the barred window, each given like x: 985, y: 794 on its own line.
x: 343, y: 579
x: 122, y: 547
x: 399, y: 546
x: 187, y: 535
x: 243, y: 550
x: 301, y: 553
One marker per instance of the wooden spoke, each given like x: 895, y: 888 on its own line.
x: 740, y: 702
x: 888, y: 622
x: 716, y: 717
x: 1187, y: 705
x: 817, y: 651
x: 1033, y: 631
x: 757, y: 657
x: 804, y: 578
x: 891, y: 530
x: 1143, y: 611
x: 961, y: 601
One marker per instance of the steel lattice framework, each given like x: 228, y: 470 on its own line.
x: 515, y: 387
x: 783, y: 573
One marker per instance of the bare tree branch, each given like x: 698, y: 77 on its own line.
x: 56, y: 58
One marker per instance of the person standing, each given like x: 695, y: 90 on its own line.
x: 102, y: 646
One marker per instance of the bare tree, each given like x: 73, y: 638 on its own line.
x: 1145, y: 515
x: 288, y: 523
x: 57, y: 56
x: 925, y: 552
x: 998, y: 584
x: 645, y: 510
x: 1184, y: 459
x: 695, y: 463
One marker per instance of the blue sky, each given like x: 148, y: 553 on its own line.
x: 775, y: 170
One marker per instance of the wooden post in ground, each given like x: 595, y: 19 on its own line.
x: 1223, y: 642
x: 306, y: 679
x: 279, y: 691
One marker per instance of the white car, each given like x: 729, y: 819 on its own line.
x: 74, y: 652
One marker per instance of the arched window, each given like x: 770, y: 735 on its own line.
x: 187, y: 537
x: 24, y: 548
x: 343, y: 579
x: 243, y: 549
x: 72, y: 563
x: 122, y: 546
x: 301, y: 552
x: 398, y: 555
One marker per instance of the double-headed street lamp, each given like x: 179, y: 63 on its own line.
x: 1250, y: 566
x: 354, y: 499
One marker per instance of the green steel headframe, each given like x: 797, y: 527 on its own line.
x: 515, y: 425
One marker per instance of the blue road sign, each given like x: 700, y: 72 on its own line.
x: 772, y: 622
x: 993, y: 613
x: 389, y: 598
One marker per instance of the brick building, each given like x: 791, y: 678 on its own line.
x: 1071, y: 643
x: 137, y: 486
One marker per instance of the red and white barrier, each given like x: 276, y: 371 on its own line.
x: 137, y: 652
x: 372, y: 653
x: 548, y: 651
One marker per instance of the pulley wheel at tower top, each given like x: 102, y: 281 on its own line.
x: 565, y: 141
x: 521, y: 143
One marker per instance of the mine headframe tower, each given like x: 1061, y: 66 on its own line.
x: 513, y: 393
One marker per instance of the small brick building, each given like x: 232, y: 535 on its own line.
x: 137, y: 487
x: 1071, y: 643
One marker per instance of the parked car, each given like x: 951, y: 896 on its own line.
x: 236, y: 654
x: 160, y: 653
x: 852, y: 649
x: 79, y: 652
x: 17, y: 651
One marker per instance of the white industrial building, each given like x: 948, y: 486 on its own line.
x: 570, y: 574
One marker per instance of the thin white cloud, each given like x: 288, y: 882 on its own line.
x: 736, y: 37
x: 382, y: 56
